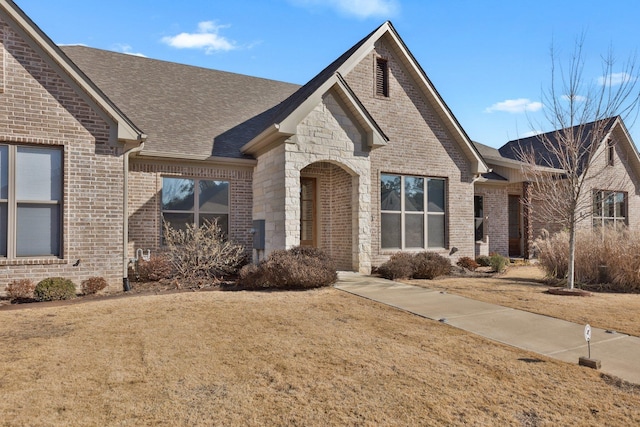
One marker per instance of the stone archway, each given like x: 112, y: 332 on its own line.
x: 327, y: 216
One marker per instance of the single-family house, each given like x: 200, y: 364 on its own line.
x: 364, y: 160
x: 98, y: 149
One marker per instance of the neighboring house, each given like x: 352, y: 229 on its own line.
x: 364, y: 160
x: 611, y: 196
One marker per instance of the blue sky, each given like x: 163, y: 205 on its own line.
x: 489, y: 59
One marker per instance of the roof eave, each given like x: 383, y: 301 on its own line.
x: 127, y: 131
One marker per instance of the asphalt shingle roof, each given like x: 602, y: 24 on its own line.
x: 184, y: 109
x: 512, y: 149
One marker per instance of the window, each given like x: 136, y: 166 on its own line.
x: 382, y: 77
x: 478, y: 213
x: 194, y: 201
x: 412, y: 218
x: 610, y: 152
x: 30, y: 201
x: 609, y: 209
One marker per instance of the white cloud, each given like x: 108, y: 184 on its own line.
x: 577, y: 98
x: 207, y: 38
x: 515, y: 106
x: 359, y: 8
x: 615, y: 79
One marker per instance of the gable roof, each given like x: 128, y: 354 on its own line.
x: 298, y: 105
x: 189, y: 112
x: 44, y: 46
x: 536, y: 144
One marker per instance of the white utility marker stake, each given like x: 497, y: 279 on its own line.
x: 587, y: 337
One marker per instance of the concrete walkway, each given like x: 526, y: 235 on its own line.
x: 559, y: 339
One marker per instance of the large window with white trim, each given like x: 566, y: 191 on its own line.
x: 194, y: 201
x: 413, y: 214
x: 30, y: 201
x: 609, y: 208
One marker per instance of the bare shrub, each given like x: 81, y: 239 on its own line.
x: 296, y: 268
x: 20, y: 289
x: 468, y: 263
x: 429, y: 265
x: 158, y: 267
x: 93, y: 285
x: 202, y: 253
x: 399, y: 266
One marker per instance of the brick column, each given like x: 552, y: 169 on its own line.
x: 527, y: 223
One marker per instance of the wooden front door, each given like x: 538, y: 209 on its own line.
x: 308, y: 212
x: 515, y: 229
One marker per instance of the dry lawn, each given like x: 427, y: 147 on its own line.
x: 523, y: 287
x: 319, y: 357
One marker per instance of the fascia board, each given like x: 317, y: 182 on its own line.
x: 127, y: 131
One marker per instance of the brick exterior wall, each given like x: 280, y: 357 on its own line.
x: 40, y: 108
x: 496, y: 223
x: 334, y: 211
x: 419, y: 145
x: 145, y: 203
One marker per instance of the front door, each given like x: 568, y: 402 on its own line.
x: 308, y: 212
x: 515, y: 233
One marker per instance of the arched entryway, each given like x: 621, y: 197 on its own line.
x: 327, y: 211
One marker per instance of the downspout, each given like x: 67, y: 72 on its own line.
x: 125, y: 220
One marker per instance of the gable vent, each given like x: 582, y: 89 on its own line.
x: 382, y: 77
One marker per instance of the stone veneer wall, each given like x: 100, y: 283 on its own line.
x: 39, y: 107
x: 327, y: 134
x: 145, y: 190
x: 419, y: 145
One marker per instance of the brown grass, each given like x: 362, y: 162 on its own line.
x: 523, y: 287
x: 318, y: 357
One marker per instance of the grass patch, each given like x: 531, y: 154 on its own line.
x: 319, y: 357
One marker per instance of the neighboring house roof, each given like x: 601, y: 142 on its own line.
x: 293, y: 109
x: 41, y: 43
x: 536, y: 144
x: 184, y: 109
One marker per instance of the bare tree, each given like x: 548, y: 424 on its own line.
x: 584, y: 111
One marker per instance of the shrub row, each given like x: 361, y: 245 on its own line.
x: 422, y: 265
x: 52, y: 288
x: 296, y: 268
x: 605, y: 258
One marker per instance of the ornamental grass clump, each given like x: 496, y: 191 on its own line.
x: 296, y: 268
x: 606, y: 259
x: 54, y: 289
x: 202, y: 253
x: 498, y: 263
